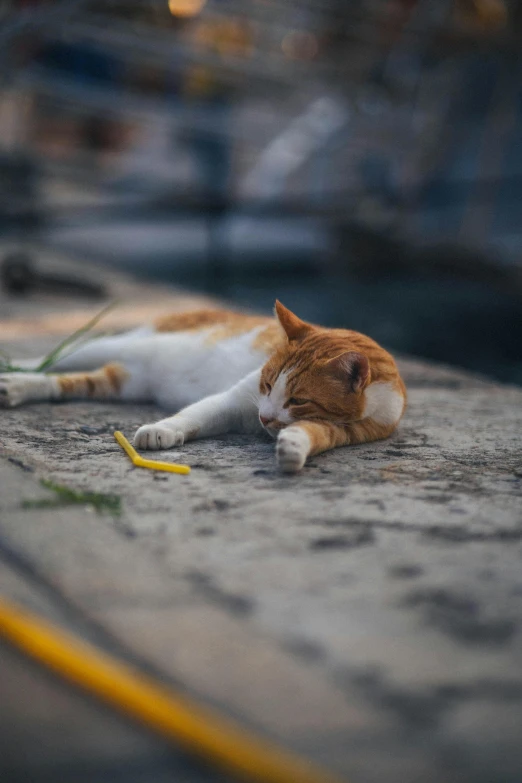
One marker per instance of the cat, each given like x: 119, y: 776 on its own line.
x: 309, y: 387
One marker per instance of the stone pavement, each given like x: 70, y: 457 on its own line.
x: 366, y: 612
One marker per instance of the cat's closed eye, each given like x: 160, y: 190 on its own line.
x: 268, y: 388
x: 295, y: 401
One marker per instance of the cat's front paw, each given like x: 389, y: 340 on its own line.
x: 293, y: 446
x: 158, y: 436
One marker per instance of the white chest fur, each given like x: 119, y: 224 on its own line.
x: 384, y: 404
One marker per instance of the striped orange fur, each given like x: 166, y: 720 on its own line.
x: 99, y: 384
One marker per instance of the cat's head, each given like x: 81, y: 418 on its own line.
x: 311, y: 375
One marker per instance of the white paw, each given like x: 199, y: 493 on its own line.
x: 293, y: 446
x: 158, y: 436
x: 18, y: 387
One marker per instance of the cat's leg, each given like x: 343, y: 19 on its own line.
x: 306, y: 438
x: 234, y: 410
x: 300, y: 440
x: 19, y: 387
x: 78, y: 373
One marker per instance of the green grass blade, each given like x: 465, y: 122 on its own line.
x: 57, y: 352
x: 65, y: 496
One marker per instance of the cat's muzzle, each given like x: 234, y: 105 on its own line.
x: 272, y: 426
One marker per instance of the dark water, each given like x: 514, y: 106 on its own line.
x: 469, y: 325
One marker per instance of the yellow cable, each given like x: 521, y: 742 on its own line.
x: 152, y: 464
x: 196, y: 728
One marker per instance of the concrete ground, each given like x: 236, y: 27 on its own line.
x: 366, y: 613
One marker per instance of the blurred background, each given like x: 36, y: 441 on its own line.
x: 361, y: 160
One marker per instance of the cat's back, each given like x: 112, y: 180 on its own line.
x: 219, y: 326
x: 220, y: 320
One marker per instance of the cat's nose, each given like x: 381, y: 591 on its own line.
x: 265, y: 421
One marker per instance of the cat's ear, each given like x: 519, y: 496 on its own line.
x: 293, y: 326
x: 351, y: 367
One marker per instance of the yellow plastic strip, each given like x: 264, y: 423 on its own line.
x: 196, y: 728
x: 152, y: 464
x: 126, y: 446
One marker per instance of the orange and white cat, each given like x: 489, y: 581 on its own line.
x: 311, y: 388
